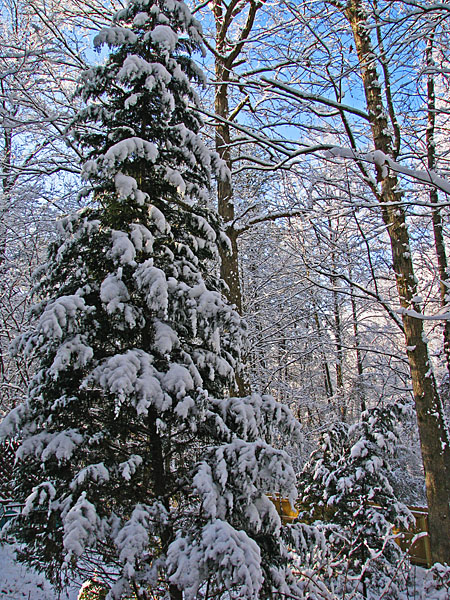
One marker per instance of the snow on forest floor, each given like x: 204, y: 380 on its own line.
x: 18, y: 582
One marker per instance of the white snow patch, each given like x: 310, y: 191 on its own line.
x: 41, y: 494
x: 82, y: 528
x: 59, y: 314
x: 174, y: 178
x: 126, y: 187
x: 133, y: 539
x: 141, y: 238
x: 153, y: 281
x: 165, y: 337
x: 140, y: 19
x: 122, y: 248
x: 129, y: 147
x: 135, y: 66
x: 89, y: 168
x: 62, y: 445
x: 114, y: 36
x: 74, y: 353
x: 165, y: 37
x: 159, y: 219
x: 18, y: 582
x: 184, y: 407
x: 114, y: 294
x: 131, y: 376
x: 359, y: 449
x: 129, y: 467
x: 221, y: 549
x: 177, y: 380
x: 98, y: 473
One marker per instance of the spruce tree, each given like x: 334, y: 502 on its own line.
x: 135, y: 466
x: 346, y: 485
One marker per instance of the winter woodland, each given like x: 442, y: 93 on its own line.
x: 224, y: 283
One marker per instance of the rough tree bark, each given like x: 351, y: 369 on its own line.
x: 434, y: 436
x: 226, y: 55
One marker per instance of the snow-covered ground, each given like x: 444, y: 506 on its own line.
x: 18, y: 582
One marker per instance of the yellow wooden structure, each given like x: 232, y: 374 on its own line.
x: 419, y: 551
x: 287, y: 513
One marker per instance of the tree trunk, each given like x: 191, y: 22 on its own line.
x: 5, y: 198
x: 439, y: 242
x: 433, y: 434
x: 5, y: 207
x: 359, y: 359
x: 229, y: 269
x: 227, y: 52
x: 159, y: 478
x: 342, y: 408
x: 326, y: 371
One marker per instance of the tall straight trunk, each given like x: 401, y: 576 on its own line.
x: 229, y: 269
x: 359, y: 360
x: 338, y: 337
x: 434, y: 438
x: 342, y: 408
x: 325, y: 368
x: 5, y: 201
x: 439, y: 242
x: 5, y: 193
x: 226, y: 55
x: 229, y: 260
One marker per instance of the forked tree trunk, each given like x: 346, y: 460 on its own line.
x: 229, y: 261
x: 226, y: 55
x: 434, y: 438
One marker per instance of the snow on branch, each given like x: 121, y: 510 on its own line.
x: 131, y: 377
x: 114, y: 36
x: 443, y: 316
x: 131, y: 146
x: 132, y: 540
x: 379, y: 158
x: 257, y: 414
x: 192, y: 560
x: 60, y: 315
x: 81, y: 527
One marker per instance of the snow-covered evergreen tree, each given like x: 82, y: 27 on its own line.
x: 133, y: 458
x: 346, y: 485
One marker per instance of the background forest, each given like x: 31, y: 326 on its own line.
x: 333, y: 119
